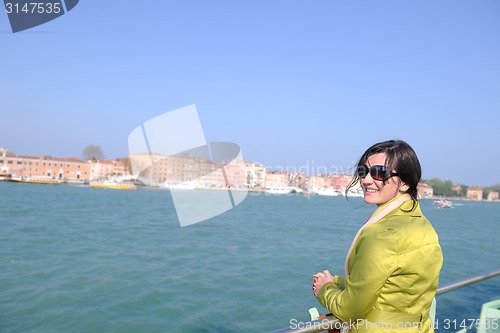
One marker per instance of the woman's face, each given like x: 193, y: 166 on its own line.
x: 375, y: 191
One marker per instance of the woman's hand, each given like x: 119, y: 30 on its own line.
x: 320, y: 279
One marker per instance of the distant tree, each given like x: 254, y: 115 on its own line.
x: 441, y: 188
x: 462, y: 192
x: 93, y: 152
x: 486, y: 191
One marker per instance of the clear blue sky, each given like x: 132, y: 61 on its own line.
x: 294, y: 83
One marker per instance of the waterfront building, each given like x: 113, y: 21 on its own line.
x: 10, y: 164
x: 255, y: 175
x: 493, y: 196
x: 235, y: 174
x: 277, y: 179
x: 101, y: 169
x: 341, y: 181
x: 317, y: 182
x: 475, y: 193
x: 62, y: 168
x: 425, y: 190
x: 122, y: 166
x: 298, y: 180
x: 168, y: 170
x: 155, y: 169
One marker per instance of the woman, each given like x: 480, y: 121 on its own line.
x: 392, y: 268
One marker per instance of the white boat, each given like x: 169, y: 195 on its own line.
x: 178, y: 185
x: 183, y: 186
x: 36, y: 180
x: 355, y: 192
x: 280, y: 190
x: 329, y: 192
x: 445, y: 204
x: 111, y: 183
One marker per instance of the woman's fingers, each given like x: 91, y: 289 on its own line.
x: 319, y: 281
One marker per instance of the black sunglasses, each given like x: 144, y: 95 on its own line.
x: 378, y: 172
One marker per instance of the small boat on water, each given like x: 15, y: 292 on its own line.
x: 178, y: 185
x: 111, y: 183
x: 443, y: 203
x: 329, y: 192
x: 280, y: 190
x: 35, y: 180
x: 355, y: 192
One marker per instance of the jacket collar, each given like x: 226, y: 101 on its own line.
x: 404, y: 209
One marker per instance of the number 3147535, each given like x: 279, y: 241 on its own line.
x: 33, y: 8
x: 454, y: 324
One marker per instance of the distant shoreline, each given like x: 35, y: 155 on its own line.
x: 305, y: 193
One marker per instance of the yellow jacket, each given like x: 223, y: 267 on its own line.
x: 394, y: 271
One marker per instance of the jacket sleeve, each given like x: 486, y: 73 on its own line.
x: 339, y: 281
x: 374, y: 262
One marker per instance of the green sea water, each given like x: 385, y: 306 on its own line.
x: 78, y: 259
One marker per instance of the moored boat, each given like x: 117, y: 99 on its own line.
x: 178, y: 185
x: 35, y: 180
x: 110, y: 183
x: 280, y: 190
x: 355, y: 192
x: 329, y: 192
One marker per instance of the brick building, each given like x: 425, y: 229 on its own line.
x: 62, y: 168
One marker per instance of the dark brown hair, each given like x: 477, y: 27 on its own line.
x: 401, y: 158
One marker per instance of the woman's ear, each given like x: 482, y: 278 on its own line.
x: 403, y: 188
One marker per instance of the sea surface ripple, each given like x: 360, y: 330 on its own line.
x: 78, y: 259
